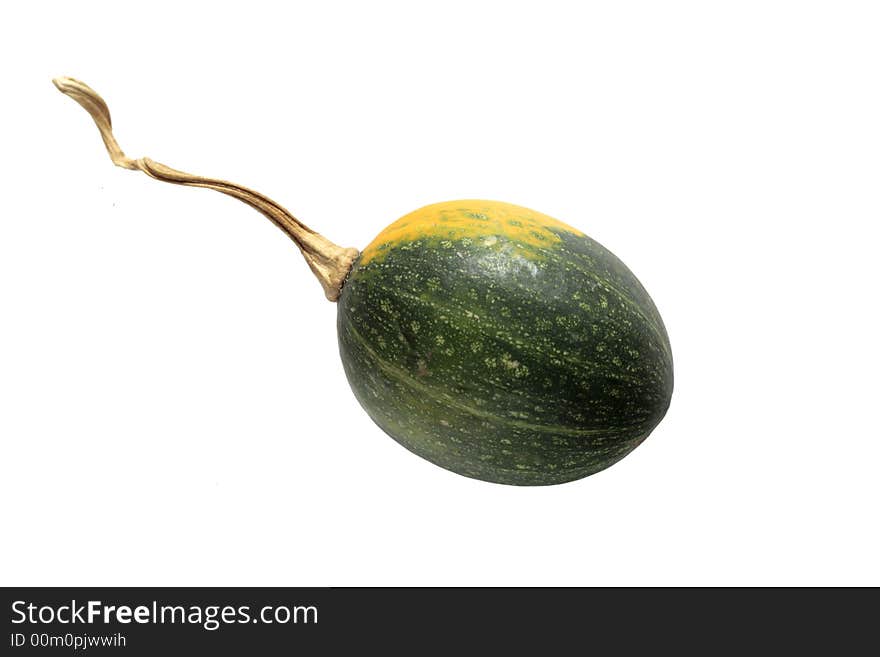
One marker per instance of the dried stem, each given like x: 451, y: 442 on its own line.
x: 329, y: 262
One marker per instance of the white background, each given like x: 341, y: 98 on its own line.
x: 172, y: 406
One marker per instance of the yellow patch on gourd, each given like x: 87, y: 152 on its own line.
x: 469, y: 220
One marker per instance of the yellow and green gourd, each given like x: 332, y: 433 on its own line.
x: 490, y: 339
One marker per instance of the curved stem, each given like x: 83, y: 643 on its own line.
x: 329, y: 262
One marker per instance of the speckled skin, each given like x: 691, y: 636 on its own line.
x: 503, y: 345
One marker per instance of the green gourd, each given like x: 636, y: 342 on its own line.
x: 490, y: 339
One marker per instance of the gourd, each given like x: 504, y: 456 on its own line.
x: 490, y: 339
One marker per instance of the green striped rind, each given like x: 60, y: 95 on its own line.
x: 519, y: 368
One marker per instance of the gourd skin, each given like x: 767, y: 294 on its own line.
x: 502, y: 344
